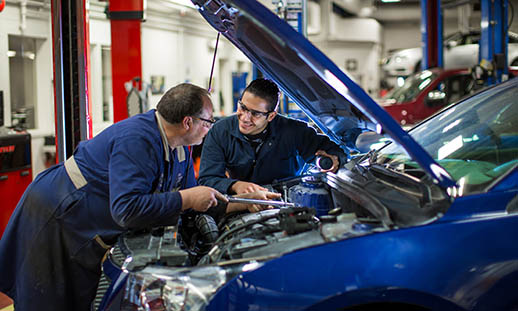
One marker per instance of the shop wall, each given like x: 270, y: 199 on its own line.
x: 177, y: 44
x: 35, y: 24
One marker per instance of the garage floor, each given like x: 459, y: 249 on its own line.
x: 6, y: 304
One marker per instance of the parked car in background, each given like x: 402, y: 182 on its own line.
x: 425, y: 93
x: 426, y: 222
x: 460, y: 51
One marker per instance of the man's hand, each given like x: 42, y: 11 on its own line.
x: 336, y: 162
x: 200, y: 198
x: 240, y: 187
x: 258, y: 195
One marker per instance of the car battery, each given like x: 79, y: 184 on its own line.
x: 15, y: 172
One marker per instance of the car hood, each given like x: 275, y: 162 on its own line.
x: 337, y: 105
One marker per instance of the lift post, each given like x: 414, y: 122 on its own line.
x: 294, y: 13
x: 493, y: 41
x: 126, y: 17
x: 431, y: 34
x: 71, y: 54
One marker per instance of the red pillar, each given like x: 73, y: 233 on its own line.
x: 431, y: 30
x: 126, y: 17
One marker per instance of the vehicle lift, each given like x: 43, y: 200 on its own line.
x: 492, y: 65
x: 71, y: 55
x: 494, y: 40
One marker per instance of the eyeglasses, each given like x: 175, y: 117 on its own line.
x: 254, y: 113
x: 209, y: 122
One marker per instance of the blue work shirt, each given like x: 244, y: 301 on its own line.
x: 226, y: 150
x: 132, y: 167
x: 126, y: 177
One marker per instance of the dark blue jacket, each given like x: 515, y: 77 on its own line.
x: 226, y: 150
x: 51, y: 250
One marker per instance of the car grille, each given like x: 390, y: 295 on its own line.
x: 117, y: 257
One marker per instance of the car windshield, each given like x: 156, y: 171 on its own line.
x: 476, y: 141
x: 412, y: 87
x: 456, y: 37
x: 473, y: 37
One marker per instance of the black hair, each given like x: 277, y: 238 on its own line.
x: 267, y: 90
x: 181, y: 101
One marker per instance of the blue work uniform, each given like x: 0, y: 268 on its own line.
x: 126, y: 177
x: 226, y: 150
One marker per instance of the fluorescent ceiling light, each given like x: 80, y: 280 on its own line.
x: 390, y: 1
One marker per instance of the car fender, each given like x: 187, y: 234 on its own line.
x: 385, y: 299
x: 316, y: 274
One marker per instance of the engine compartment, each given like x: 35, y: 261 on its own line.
x: 323, y: 213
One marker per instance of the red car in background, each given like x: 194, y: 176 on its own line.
x: 426, y: 92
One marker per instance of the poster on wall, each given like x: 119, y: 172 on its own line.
x: 157, y: 85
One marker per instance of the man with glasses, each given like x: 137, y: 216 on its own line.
x: 136, y: 174
x: 256, y: 146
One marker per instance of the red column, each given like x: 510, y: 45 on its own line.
x: 431, y: 29
x: 125, y: 16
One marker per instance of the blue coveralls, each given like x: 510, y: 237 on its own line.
x: 127, y: 177
x: 225, y: 149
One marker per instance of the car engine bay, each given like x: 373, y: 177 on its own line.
x: 319, y: 208
x: 322, y: 214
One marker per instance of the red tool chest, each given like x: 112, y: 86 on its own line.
x: 15, y: 173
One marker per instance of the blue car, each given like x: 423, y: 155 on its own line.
x: 418, y: 220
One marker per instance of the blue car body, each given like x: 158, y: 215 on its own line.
x: 425, y: 222
x: 460, y: 263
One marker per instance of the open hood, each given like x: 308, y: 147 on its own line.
x: 337, y: 105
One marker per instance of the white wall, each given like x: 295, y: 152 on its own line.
x: 401, y: 36
x: 37, y: 25
x: 353, y: 39
x: 365, y: 54
x: 160, y: 62
x: 513, y: 4
x: 100, y: 36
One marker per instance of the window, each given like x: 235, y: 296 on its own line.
x: 107, y: 83
x: 22, y: 73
